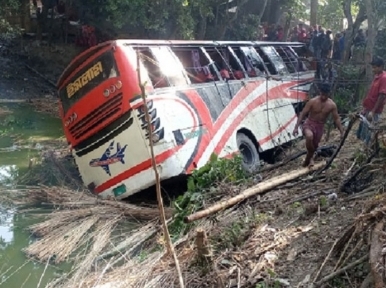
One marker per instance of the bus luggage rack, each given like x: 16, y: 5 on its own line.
x: 96, y: 117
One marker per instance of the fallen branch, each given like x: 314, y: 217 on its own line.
x: 340, y: 271
x: 41, y: 75
x: 350, y: 125
x: 376, y: 257
x: 293, y: 157
x: 257, y: 189
x: 342, y: 187
x: 325, y: 260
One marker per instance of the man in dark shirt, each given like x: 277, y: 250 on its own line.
x: 374, y: 102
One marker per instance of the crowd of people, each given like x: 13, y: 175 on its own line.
x: 322, y: 43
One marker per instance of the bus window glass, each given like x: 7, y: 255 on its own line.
x: 275, y: 59
x: 252, y: 61
x: 87, y: 78
x: 299, y: 65
x: 238, y: 71
x: 301, y: 52
x: 195, y: 62
x: 220, y: 57
x: 153, y: 70
x: 170, y: 66
x: 288, y: 59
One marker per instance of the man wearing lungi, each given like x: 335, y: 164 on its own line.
x: 318, y: 110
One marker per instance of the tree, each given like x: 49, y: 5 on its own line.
x: 314, y: 12
x: 353, y: 24
x: 7, y: 9
x: 330, y: 15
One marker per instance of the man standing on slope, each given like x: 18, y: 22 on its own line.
x: 374, y: 102
x: 318, y: 109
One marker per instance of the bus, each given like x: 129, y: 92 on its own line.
x: 204, y: 97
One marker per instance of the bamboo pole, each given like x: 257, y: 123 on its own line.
x: 257, y: 189
x: 349, y: 127
x: 168, y: 240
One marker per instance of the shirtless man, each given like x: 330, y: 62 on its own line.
x: 318, y: 109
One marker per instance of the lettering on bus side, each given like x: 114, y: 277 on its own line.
x: 86, y: 77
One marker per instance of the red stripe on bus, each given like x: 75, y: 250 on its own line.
x: 135, y: 170
x: 243, y: 93
x: 274, y: 93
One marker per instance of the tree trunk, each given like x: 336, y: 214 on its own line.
x: 202, y: 27
x: 262, y: 9
x: 314, y: 12
x: 353, y: 27
x: 370, y: 38
x: 287, y: 25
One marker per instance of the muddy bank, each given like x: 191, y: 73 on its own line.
x: 30, y: 69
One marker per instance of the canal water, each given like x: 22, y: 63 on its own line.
x: 23, y: 133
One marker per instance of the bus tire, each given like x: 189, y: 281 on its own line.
x: 249, y: 153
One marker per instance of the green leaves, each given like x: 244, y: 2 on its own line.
x: 202, y: 188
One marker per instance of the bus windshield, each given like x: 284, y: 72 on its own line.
x: 87, y: 78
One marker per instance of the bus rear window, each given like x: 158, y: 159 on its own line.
x: 86, y: 79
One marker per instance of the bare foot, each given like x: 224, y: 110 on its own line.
x: 307, y: 161
x: 311, y: 163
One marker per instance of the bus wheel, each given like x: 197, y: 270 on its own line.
x: 249, y: 152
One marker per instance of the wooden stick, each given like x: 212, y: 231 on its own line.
x: 350, y: 125
x: 41, y: 75
x: 376, y: 257
x: 340, y: 271
x: 325, y: 260
x: 257, y: 189
x: 170, y: 246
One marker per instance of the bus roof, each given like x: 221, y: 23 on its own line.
x: 199, y: 42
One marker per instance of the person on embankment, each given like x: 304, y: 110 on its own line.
x: 374, y: 102
x: 318, y: 110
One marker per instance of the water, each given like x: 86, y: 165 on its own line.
x: 23, y: 133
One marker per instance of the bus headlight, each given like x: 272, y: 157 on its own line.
x: 112, y: 89
x: 106, y: 93
x: 118, y: 85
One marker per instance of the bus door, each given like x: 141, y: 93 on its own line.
x: 279, y: 107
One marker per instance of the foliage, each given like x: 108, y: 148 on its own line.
x: 350, y: 87
x: 245, y: 29
x: 331, y: 15
x: 380, y: 44
x: 202, y: 187
x: 7, y: 9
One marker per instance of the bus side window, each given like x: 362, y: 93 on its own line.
x: 157, y: 79
x: 238, y: 71
x: 299, y: 53
x: 275, y: 59
x: 193, y: 60
x: 289, y: 62
x: 214, y: 65
x: 221, y: 58
x: 170, y: 66
x: 253, y: 62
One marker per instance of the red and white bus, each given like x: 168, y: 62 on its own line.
x: 204, y: 97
